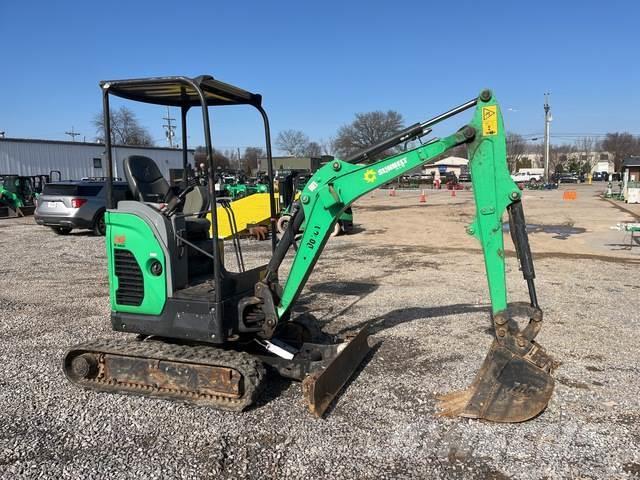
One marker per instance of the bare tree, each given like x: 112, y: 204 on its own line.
x: 328, y: 146
x: 585, y: 147
x: 366, y: 130
x: 313, y: 149
x: 125, y: 128
x: 220, y: 160
x: 516, y: 149
x: 251, y: 156
x: 559, y: 157
x: 621, y: 146
x: 292, y: 142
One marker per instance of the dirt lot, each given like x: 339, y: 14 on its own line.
x: 410, y: 269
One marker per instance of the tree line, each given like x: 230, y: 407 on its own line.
x: 370, y: 128
x: 579, y: 157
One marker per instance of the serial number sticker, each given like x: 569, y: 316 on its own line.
x: 490, y: 120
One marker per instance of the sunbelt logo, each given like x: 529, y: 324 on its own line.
x: 370, y: 175
x: 393, y: 166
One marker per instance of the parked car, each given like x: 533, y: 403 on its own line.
x: 525, y: 177
x: 464, y: 177
x: 566, y: 178
x: 64, y: 206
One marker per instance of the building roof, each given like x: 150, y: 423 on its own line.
x: 631, y: 162
x: 89, y: 144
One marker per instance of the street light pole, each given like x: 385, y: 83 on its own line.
x: 547, y: 123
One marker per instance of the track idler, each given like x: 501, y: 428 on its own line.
x: 514, y: 383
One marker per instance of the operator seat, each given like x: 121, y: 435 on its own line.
x: 148, y: 185
x: 196, y: 202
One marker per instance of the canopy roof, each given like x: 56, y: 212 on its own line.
x: 181, y: 91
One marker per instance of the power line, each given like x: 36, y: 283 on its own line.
x: 73, y: 134
x: 169, y: 129
x: 547, y: 126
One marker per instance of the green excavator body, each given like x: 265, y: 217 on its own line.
x: 205, y: 332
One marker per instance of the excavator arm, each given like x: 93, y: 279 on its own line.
x: 333, y: 189
x: 514, y: 383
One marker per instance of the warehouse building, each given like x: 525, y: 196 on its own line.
x: 77, y: 160
x: 456, y: 165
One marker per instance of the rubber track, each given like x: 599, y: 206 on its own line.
x: 252, y: 370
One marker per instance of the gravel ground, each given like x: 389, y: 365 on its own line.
x: 427, y: 300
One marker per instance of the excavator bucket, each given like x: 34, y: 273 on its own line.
x: 509, y: 388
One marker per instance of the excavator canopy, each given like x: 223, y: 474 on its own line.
x: 181, y: 91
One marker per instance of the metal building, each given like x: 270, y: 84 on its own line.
x: 77, y: 160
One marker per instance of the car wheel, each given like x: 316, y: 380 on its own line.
x: 99, y: 227
x: 61, y: 230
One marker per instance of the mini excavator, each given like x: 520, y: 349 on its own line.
x: 205, y: 334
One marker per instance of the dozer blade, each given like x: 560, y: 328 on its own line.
x: 509, y: 387
x: 320, y: 388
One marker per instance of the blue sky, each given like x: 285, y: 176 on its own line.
x: 317, y: 63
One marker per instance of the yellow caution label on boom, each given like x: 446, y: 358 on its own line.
x: 490, y: 120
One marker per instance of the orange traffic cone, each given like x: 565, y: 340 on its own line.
x: 423, y: 197
x: 453, y: 192
x: 392, y: 193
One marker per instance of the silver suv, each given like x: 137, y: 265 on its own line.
x: 64, y: 206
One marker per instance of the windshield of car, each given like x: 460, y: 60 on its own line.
x: 71, y: 189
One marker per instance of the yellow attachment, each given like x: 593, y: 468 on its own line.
x: 251, y: 210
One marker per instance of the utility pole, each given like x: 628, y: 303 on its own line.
x: 547, y: 124
x: 169, y: 129
x: 73, y: 134
x: 239, y: 158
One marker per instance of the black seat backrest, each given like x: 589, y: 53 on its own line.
x: 196, y: 202
x: 146, y: 182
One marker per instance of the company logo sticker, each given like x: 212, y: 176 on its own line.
x: 370, y: 176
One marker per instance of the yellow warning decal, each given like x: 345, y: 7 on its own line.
x: 489, y: 120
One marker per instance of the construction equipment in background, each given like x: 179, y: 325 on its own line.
x: 237, y: 217
x: 17, y: 196
x: 19, y: 193
x: 633, y: 229
x: 241, y: 190
x: 290, y: 185
x: 203, y: 334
